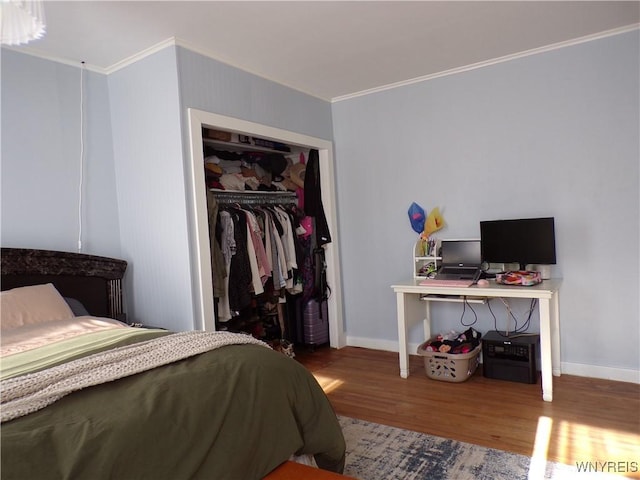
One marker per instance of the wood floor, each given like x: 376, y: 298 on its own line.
x: 589, y: 420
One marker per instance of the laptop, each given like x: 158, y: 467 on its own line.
x: 461, y: 261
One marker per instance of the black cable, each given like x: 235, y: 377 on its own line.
x: 466, y: 303
x: 532, y: 307
x: 527, y: 323
x: 495, y: 320
x: 511, y: 315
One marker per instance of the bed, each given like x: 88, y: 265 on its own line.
x: 84, y: 395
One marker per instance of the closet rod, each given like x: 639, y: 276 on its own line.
x: 255, y: 197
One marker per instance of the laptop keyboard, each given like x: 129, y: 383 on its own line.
x: 457, y: 271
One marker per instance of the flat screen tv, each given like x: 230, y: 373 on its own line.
x: 523, y: 241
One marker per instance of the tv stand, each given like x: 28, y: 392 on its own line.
x: 412, y: 302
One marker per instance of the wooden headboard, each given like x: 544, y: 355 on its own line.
x: 95, y: 281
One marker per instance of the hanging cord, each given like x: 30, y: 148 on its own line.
x: 509, y: 316
x: 532, y: 307
x: 466, y: 304
x: 522, y: 329
x: 80, y: 186
x: 517, y: 331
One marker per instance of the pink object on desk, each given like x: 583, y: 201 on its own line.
x: 520, y: 277
x: 432, y: 282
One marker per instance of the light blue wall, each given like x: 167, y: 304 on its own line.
x: 215, y: 87
x: 136, y: 126
x: 151, y: 196
x: 149, y: 102
x: 41, y: 158
x: 555, y: 134
x: 551, y: 134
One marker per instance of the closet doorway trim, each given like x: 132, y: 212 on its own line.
x: 201, y: 260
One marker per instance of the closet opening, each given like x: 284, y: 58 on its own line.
x: 212, y: 133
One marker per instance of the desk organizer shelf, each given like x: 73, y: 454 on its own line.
x: 424, y: 262
x: 450, y: 367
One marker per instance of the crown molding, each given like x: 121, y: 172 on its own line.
x: 34, y: 52
x: 94, y: 68
x: 171, y: 41
x: 494, y: 61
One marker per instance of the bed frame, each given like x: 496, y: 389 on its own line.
x: 95, y: 281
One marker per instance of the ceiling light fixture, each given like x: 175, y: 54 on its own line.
x: 21, y: 21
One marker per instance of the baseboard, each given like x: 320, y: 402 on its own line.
x: 597, y: 371
x: 376, y: 344
x: 577, y: 369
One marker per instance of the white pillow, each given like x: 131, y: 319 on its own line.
x: 33, y: 304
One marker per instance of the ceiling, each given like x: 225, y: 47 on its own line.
x: 326, y: 49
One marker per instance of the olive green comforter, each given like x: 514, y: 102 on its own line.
x: 236, y: 412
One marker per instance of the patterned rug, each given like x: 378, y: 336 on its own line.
x: 377, y: 452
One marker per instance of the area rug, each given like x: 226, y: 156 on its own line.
x: 379, y: 452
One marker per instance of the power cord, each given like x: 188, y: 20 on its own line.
x: 517, y: 331
x: 466, y: 304
x: 80, y: 185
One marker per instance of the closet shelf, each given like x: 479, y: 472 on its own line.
x: 247, y: 147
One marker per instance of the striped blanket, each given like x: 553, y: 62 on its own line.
x: 31, y: 392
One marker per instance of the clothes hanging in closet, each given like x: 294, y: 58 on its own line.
x: 313, y: 199
x: 258, y: 243
x: 313, y: 208
x: 239, y: 269
x: 218, y: 270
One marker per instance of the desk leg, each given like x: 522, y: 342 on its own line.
x: 555, y: 335
x: 402, y: 334
x: 545, y: 350
x: 427, y: 320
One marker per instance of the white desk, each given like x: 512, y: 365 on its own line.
x: 409, y: 307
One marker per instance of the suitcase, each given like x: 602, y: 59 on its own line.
x: 315, y: 323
